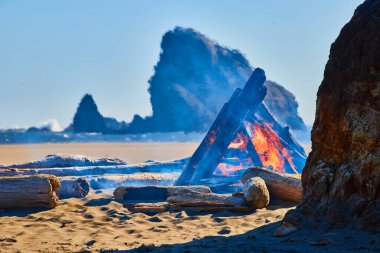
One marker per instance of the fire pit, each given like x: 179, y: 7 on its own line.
x: 244, y: 134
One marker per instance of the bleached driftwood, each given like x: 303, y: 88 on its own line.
x: 136, y: 179
x: 62, y: 160
x: 190, y: 198
x: 72, y: 187
x: 286, y: 187
x: 28, y: 191
x: 177, y: 198
x: 167, y: 166
x: 153, y: 193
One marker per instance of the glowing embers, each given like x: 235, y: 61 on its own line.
x: 236, y: 159
x: 255, y: 144
x: 273, y: 154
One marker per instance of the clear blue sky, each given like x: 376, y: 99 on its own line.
x: 53, y: 52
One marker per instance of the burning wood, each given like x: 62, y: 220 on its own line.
x: 244, y: 134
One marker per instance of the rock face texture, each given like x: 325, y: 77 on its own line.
x: 88, y: 118
x: 341, y: 179
x: 194, y: 77
x: 256, y: 193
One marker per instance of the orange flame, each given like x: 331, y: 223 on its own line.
x: 269, y: 147
x: 211, y: 137
x: 272, y: 153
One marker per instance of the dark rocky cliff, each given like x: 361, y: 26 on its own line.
x: 341, y: 179
x: 87, y: 117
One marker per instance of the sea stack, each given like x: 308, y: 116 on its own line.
x: 88, y: 119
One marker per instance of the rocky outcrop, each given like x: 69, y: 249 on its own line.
x: 283, y: 104
x: 194, y: 77
x: 341, y: 179
x: 87, y: 118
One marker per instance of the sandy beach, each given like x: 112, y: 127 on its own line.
x: 131, y: 152
x: 99, y: 224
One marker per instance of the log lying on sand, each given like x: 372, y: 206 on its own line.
x: 153, y: 193
x: 167, y: 166
x: 188, y: 197
x: 137, y: 179
x: 61, y: 160
x: 72, y: 187
x: 177, y: 198
x: 286, y: 187
x: 28, y: 191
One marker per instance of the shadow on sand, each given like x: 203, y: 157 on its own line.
x: 261, y: 239
x: 21, y: 212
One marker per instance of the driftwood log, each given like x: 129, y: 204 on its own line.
x: 28, y: 191
x: 188, y: 197
x: 153, y: 193
x: 156, y: 199
x: 286, y: 187
x: 166, y: 166
x: 136, y: 179
x: 73, y: 187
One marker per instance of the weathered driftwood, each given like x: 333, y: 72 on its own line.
x: 178, y: 198
x: 72, y: 187
x: 28, y: 191
x: 61, y: 160
x: 137, y: 179
x: 167, y: 166
x: 286, y: 187
x: 190, y: 198
x: 153, y: 193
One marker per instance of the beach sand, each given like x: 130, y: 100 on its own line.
x: 98, y: 223
x: 131, y: 152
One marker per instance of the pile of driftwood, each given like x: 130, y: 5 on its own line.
x: 76, y: 181
x: 21, y: 189
x: 155, y: 199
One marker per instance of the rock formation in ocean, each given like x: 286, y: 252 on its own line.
x: 341, y: 179
x: 194, y: 77
x: 284, y: 106
x: 87, y: 117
